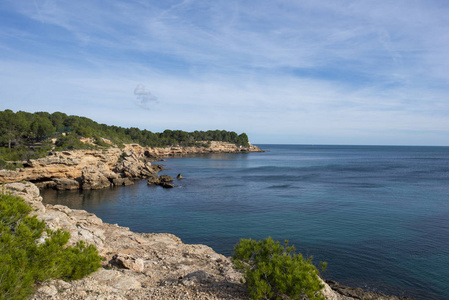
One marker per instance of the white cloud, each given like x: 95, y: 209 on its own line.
x: 305, y: 68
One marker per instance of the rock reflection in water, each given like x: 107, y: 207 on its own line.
x: 78, y: 199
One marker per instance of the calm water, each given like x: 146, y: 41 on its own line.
x: 378, y: 215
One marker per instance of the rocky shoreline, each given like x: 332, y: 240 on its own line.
x: 135, y: 265
x: 146, y: 265
x: 97, y: 169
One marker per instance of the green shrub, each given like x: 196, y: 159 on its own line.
x: 71, y: 142
x: 273, y: 271
x: 26, y: 258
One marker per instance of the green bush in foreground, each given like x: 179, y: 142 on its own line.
x: 273, y: 271
x: 26, y: 258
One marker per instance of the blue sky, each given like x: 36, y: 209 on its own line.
x: 286, y: 71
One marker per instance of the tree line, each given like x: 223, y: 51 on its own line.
x: 24, y: 134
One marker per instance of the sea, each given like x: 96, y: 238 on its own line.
x: 378, y: 215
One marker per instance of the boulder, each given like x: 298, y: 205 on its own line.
x: 66, y: 184
x: 166, y: 185
x: 92, y: 178
x: 196, y: 277
x: 179, y: 176
x: 165, y: 178
x: 153, y: 179
x: 122, y: 181
x: 156, y: 168
x: 128, y: 262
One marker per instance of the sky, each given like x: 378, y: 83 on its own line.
x: 288, y: 71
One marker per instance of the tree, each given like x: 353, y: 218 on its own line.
x: 272, y: 271
x: 42, y: 127
x: 23, y: 260
x: 12, y: 126
x: 243, y: 140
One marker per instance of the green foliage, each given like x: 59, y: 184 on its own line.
x: 71, y: 142
x: 26, y: 135
x: 26, y: 257
x: 272, y: 270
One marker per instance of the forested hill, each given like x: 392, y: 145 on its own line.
x: 23, y: 134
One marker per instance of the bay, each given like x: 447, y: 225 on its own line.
x: 377, y: 214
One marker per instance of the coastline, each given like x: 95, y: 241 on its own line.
x: 97, y: 169
x: 91, y: 167
x: 146, y: 265
x: 136, y: 265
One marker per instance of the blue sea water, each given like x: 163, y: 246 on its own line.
x: 379, y: 215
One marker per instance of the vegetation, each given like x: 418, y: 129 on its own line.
x: 273, y: 271
x: 30, y: 253
x: 26, y: 135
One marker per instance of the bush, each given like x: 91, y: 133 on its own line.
x: 273, y: 271
x: 26, y: 258
x: 71, y: 142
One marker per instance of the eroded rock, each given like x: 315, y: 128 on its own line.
x: 66, y: 184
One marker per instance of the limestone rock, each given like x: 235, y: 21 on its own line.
x: 122, y: 181
x: 166, y: 185
x: 117, y: 280
x: 66, y: 184
x: 93, y: 178
x: 48, y: 184
x: 27, y: 191
x: 153, y: 179
x: 49, y: 290
x: 128, y: 262
x: 179, y: 176
x: 165, y: 178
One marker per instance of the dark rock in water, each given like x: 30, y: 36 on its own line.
x: 358, y: 293
x: 179, y: 176
x: 166, y: 185
x: 165, y: 178
x: 122, y: 181
x: 156, y: 168
x: 153, y: 179
x: 66, y: 184
x: 162, y: 180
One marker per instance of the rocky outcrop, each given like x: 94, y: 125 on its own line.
x: 163, y: 181
x: 358, y: 293
x: 97, y: 169
x: 93, y: 178
x: 137, y: 265
x: 135, y: 166
x: 84, y: 169
x: 66, y: 184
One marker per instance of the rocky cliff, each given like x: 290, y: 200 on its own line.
x: 136, y: 265
x: 96, y: 169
